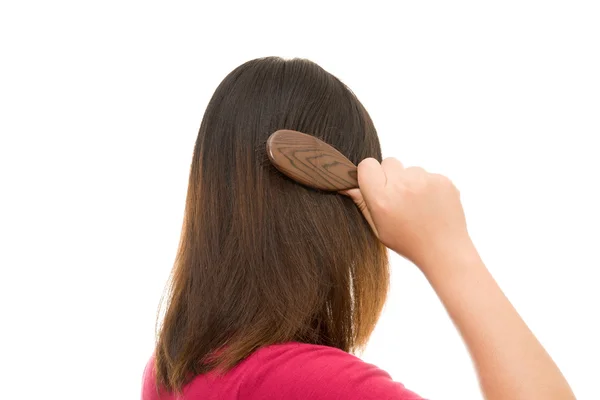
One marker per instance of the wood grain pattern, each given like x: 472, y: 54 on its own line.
x: 310, y: 161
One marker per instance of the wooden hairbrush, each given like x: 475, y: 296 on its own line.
x: 310, y: 161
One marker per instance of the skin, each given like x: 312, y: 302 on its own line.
x: 419, y: 215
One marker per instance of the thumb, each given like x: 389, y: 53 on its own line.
x: 371, y: 179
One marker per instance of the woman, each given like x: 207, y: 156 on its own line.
x: 275, y: 285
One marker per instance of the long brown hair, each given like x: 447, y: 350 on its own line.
x: 262, y: 259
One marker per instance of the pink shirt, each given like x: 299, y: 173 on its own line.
x: 290, y: 371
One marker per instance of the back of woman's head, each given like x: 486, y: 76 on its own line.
x: 262, y: 259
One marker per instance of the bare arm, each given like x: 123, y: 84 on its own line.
x: 419, y: 215
x: 510, y: 362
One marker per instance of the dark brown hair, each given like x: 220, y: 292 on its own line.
x: 262, y: 259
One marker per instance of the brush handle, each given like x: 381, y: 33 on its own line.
x: 310, y: 161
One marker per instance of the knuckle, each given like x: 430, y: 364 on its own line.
x: 416, y: 178
x: 443, y: 180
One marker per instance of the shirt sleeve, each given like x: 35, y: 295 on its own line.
x: 323, y: 373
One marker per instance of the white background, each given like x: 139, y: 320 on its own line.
x: 100, y: 104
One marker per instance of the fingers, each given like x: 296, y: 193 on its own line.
x: 354, y: 194
x: 358, y: 199
x: 371, y: 178
x: 393, y: 168
x: 392, y: 162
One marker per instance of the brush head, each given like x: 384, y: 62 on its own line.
x: 310, y: 161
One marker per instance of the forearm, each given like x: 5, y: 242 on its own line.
x: 510, y: 362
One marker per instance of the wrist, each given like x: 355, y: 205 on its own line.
x: 449, y: 257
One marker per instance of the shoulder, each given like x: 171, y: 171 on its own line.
x: 297, y: 370
x: 149, y: 391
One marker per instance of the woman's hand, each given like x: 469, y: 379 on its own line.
x: 420, y: 216
x: 413, y: 212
